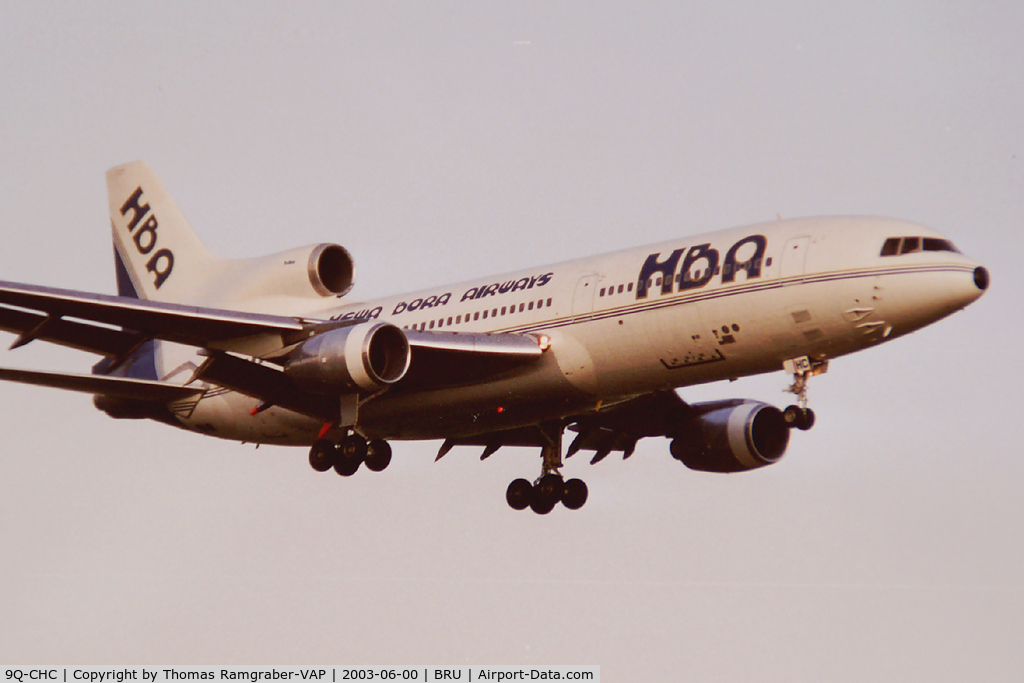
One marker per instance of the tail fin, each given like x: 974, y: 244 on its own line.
x: 157, y: 254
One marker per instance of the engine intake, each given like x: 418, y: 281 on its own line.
x: 369, y: 356
x: 331, y: 269
x: 732, y: 436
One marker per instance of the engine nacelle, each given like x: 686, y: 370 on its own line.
x: 368, y: 356
x: 732, y: 436
x: 315, y: 270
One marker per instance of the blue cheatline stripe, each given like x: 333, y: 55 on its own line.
x: 669, y: 301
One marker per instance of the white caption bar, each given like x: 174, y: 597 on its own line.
x: 297, y: 674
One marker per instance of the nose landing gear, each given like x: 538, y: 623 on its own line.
x: 800, y: 416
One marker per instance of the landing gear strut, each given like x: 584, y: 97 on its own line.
x: 803, y: 368
x: 549, y: 489
x: 349, y: 454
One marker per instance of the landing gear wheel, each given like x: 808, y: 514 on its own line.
x: 378, y: 455
x: 791, y: 414
x: 800, y: 418
x: 519, y: 494
x: 321, y: 455
x: 346, y: 466
x: 574, y: 494
x: 546, y: 494
x: 351, y: 453
x: 354, y: 447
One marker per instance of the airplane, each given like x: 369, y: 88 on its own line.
x: 271, y: 350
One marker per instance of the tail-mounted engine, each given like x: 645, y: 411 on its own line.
x: 331, y: 270
x: 318, y: 270
x: 732, y: 436
x: 368, y: 356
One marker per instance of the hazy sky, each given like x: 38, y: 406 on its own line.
x: 440, y: 141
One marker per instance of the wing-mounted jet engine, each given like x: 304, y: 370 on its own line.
x: 731, y: 436
x: 368, y: 357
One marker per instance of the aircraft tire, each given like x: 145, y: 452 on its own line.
x: 791, y: 415
x: 322, y: 455
x: 346, y: 466
x: 800, y: 418
x: 542, y: 506
x: 378, y: 455
x: 519, y: 494
x: 546, y: 494
x: 574, y: 494
x: 353, y: 447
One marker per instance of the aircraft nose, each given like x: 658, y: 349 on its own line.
x: 962, y: 291
x: 981, y: 278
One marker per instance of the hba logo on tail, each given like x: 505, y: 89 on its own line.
x: 161, y: 263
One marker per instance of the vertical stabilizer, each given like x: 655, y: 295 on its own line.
x: 157, y: 254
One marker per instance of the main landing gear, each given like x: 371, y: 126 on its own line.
x: 549, y: 489
x: 347, y: 456
x: 803, y: 368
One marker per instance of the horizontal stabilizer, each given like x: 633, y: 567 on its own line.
x: 116, y: 387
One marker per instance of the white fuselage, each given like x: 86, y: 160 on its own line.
x: 699, y: 309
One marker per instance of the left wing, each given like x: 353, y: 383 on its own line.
x: 193, y: 325
x: 115, y: 326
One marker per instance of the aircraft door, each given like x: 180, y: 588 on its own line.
x: 794, y: 258
x: 583, y: 299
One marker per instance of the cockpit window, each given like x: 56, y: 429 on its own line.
x: 935, y: 244
x: 908, y: 245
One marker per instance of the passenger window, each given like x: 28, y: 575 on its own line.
x: 476, y: 316
x: 620, y: 289
x: 602, y: 292
x: 431, y: 324
x: 549, y: 302
x: 910, y: 244
x: 449, y: 321
x: 522, y: 307
x: 891, y: 247
x: 458, y: 319
x: 503, y: 310
x: 530, y: 307
x: 485, y: 315
x: 629, y: 287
